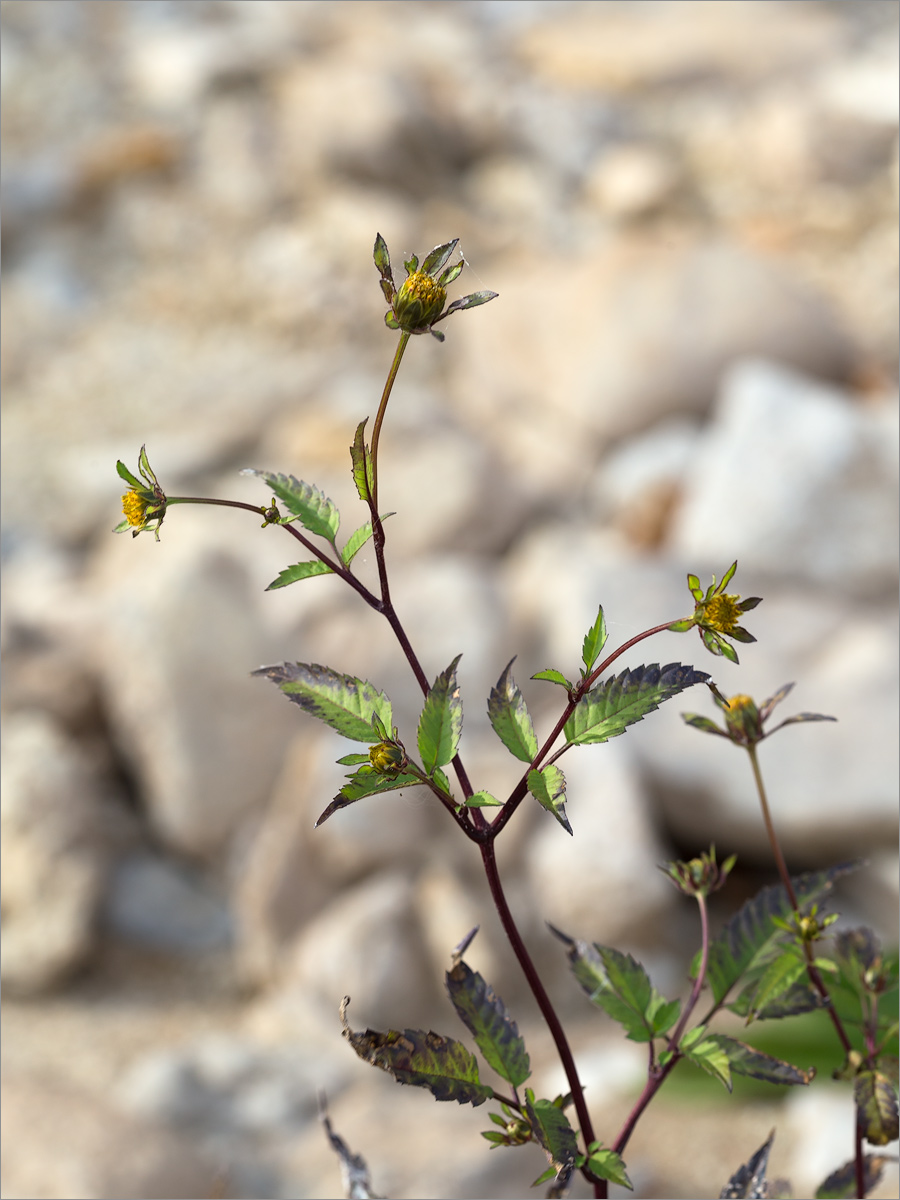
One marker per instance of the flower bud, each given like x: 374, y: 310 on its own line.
x: 419, y: 303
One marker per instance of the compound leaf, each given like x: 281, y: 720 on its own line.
x: 485, y: 1015
x: 609, y: 708
x: 751, y: 937
x: 510, y: 719
x: 441, y: 721
x: 344, y: 702
x: 421, y: 1058
x: 619, y: 985
x: 298, y: 571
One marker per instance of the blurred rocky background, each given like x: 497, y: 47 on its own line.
x: 690, y: 213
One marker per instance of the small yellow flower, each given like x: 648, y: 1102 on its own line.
x: 134, y: 506
x: 420, y: 301
x: 745, y: 719
x: 144, y: 504
x: 418, y: 304
x: 716, y: 615
x: 723, y: 613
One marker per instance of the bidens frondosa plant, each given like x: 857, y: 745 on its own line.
x: 774, y: 959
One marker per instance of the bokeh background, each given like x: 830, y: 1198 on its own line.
x: 690, y: 213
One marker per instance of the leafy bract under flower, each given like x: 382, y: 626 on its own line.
x: 418, y: 304
x: 144, y: 504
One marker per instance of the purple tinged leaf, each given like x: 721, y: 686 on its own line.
x: 470, y: 301
x: 438, y: 257
x: 382, y: 258
x: 608, y: 709
x: 749, y: 1181
x: 343, y: 702
x: 451, y: 274
x: 486, y: 1017
x: 876, y: 1106
x: 422, y: 1058
x: 746, y: 1060
x: 747, y: 941
x: 510, y: 719
x: 841, y: 1184
x: 552, y: 1130
x: 440, y: 724
x: 548, y: 786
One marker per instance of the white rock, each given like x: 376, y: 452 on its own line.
x: 176, y: 643
x: 601, y: 884
x: 795, y: 480
x: 365, y: 945
x: 54, y: 853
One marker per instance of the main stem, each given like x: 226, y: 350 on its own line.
x: 489, y: 858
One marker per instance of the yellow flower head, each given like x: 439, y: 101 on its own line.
x: 420, y: 302
x: 722, y: 613
x: 134, y: 506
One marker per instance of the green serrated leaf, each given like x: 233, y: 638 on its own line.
x: 423, y: 1059
x: 620, y: 985
x: 594, y: 641
x: 752, y: 936
x: 553, y: 676
x: 353, y: 760
x: 552, y: 1130
x: 358, y: 539
x: 706, y: 1053
x: 310, y: 506
x: 298, y: 571
x: 779, y: 976
x: 607, y: 1164
x: 800, y: 997
x: 483, y: 800
x: 746, y: 1060
x: 364, y: 784
x: 609, y: 708
x: 548, y: 786
x: 485, y: 1016
x: 361, y: 461
x: 344, y: 702
x: 510, y: 719
x: 876, y: 1104
x: 441, y: 721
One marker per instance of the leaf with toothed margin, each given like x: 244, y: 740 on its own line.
x: 510, y: 719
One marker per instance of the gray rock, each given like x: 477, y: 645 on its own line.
x: 155, y: 902
x: 55, y: 849
x: 620, y: 354
x: 176, y: 644
x: 796, y: 481
x: 97, y: 1150
x: 606, y: 895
